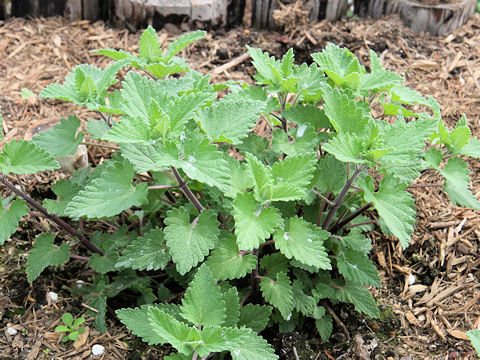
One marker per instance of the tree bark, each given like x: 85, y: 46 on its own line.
x: 438, y: 19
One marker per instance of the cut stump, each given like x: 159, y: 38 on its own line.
x: 435, y: 17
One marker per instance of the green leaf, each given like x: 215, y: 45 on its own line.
x: 340, y: 65
x: 356, y: 266
x: 109, y: 194
x: 227, y: 263
x: 203, y: 304
x: 240, y: 181
x: 407, y: 141
x: 182, y: 41
x: 149, y: 47
x: 269, y: 69
x: 474, y: 336
x: 405, y: 95
x: 378, y: 79
x: 103, y: 263
x: 253, y: 224
x: 230, y: 120
x: 347, y: 148
x: 10, y: 217
x: 23, y: 157
x: 307, y: 115
x: 65, y: 191
x: 459, y: 137
x: 255, y: 317
x: 304, y: 242
x: 146, y: 253
x: 177, y: 357
x: 360, y: 297
x: 305, y: 304
x: 331, y: 175
x: 67, y: 319
x: 137, y: 321
x: 189, y: 243
x: 62, y: 139
x: 344, y: 112
x: 472, y: 148
x: 232, y: 307
x: 394, y: 205
x: 97, y: 128
x: 304, y: 140
x: 324, y: 327
x: 61, y: 328
x: 279, y: 293
x: 44, y: 254
x: 456, y: 176
x: 250, y: 346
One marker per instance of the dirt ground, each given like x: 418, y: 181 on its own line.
x: 426, y: 320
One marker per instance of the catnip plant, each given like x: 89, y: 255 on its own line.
x: 246, y: 229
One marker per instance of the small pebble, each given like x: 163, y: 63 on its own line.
x: 97, y: 350
x: 12, y: 331
x: 80, y: 283
x: 53, y: 296
x: 411, y: 279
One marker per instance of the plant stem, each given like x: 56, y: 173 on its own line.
x: 99, y: 145
x: 107, y: 120
x: 350, y: 217
x: 54, y: 218
x: 340, y: 197
x: 323, y: 197
x: 79, y: 257
x: 186, y: 190
x: 159, y: 187
x: 362, y: 223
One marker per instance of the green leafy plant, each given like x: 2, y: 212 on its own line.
x: 246, y: 229
x: 71, y: 328
x: 474, y: 336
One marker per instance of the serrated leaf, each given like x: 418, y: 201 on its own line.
x: 62, y: 139
x: 472, y: 148
x: 250, y: 346
x: 189, y: 243
x: 331, y: 175
x: 255, y: 317
x: 43, y: 254
x: 151, y: 157
x: 346, y: 147
x: 253, y: 224
x: 279, y: 293
x: 146, y: 253
x: 405, y: 95
x: 305, y: 139
x: 360, y: 297
x: 459, y: 137
x: 65, y: 191
x: 109, y: 194
x: 269, y: 69
x: 300, y: 240
x: 196, y: 308
x: 378, y: 79
x: 356, y: 240
x: 324, y: 327
x: 230, y: 120
x: 23, y: 157
x: 149, y: 47
x: 10, y: 217
x: 339, y: 64
x: 456, y: 185
x: 356, y: 266
x: 97, y: 128
x: 394, y: 205
x: 307, y: 115
x: 274, y: 263
x: 407, y: 141
x: 240, y: 181
x: 232, y: 307
x: 227, y: 263
x: 103, y: 263
x: 305, y: 304
x: 182, y: 41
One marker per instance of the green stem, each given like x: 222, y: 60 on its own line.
x: 54, y: 218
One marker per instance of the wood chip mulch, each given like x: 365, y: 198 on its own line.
x: 435, y: 311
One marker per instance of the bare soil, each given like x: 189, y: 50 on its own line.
x: 426, y: 320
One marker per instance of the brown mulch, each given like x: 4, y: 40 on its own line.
x: 444, y: 256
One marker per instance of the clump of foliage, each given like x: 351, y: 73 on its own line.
x: 71, y: 328
x: 259, y: 230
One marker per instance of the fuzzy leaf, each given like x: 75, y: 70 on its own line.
x: 269, y: 69
x: 356, y: 266
x: 23, y: 157
x: 62, y: 139
x: 472, y: 148
x: 189, y: 243
x: 346, y: 147
x: 332, y: 175
x: 149, y: 47
x: 253, y: 224
x: 255, y: 317
x: 44, y: 254
x: 109, y: 194
x: 226, y: 262
x: 10, y: 217
x: 304, y: 242
x: 250, y: 346
x: 360, y: 297
x: 324, y: 327
x: 65, y: 191
x: 146, y: 253
x: 307, y: 115
x: 279, y: 293
x: 232, y: 307
x: 394, y: 205
x: 456, y: 176
x: 182, y: 41
x: 230, y: 120
x: 196, y: 308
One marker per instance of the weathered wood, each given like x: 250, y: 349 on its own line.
x: 262, y: 11
x: 37, y: 8
x: 437, y: 19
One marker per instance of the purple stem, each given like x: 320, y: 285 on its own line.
x: 186, y: 190
x: 54, y: 218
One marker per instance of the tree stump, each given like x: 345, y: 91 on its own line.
x: 71, y: 9
x: 436, y: 17
x: 263, y: 10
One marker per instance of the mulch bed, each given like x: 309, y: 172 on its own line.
x: 432, y: 314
